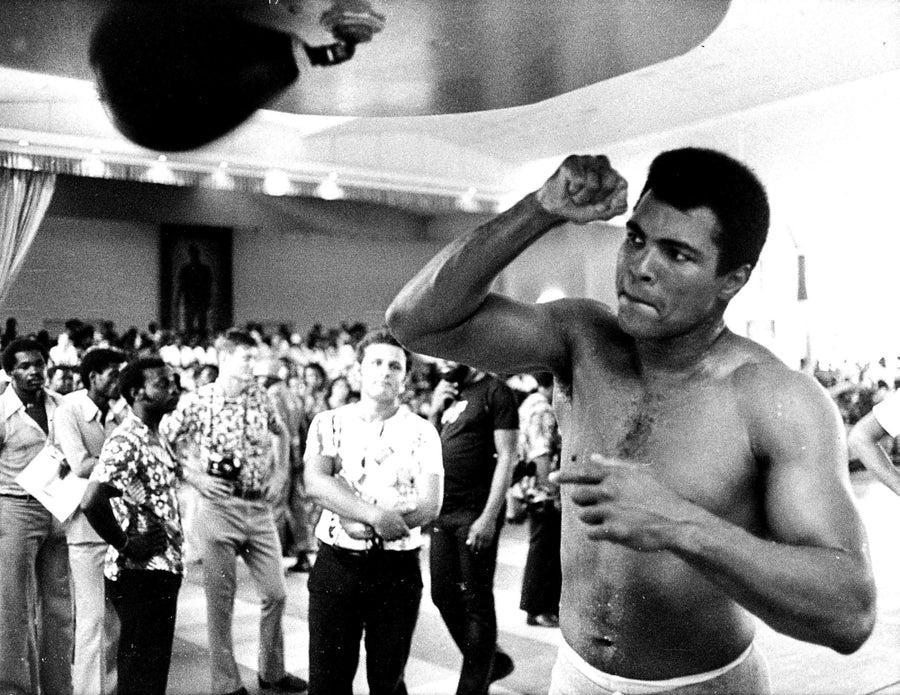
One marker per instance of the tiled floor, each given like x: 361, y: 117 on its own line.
x: 797, y: 668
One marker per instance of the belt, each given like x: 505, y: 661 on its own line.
x: 249, y: 495
x: 369, y: 552
x: 347, y: 552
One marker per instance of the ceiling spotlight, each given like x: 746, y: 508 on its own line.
x: 276, y: 182
x: 94, y: 166
x: 467, y: 201
x: 160, y: 172
x: 222, y: 180
x: 329, y: 189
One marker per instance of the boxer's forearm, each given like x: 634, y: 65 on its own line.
x: 816, y: 594
x: 455, y: 283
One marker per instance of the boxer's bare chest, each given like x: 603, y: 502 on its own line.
x: 687, y: 428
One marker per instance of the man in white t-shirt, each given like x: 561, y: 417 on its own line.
x: 376, y: 469
x: 882, y: 421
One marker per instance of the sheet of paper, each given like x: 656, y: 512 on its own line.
x: 41, y: 478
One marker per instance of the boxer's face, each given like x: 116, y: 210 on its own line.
x: 666, y: 280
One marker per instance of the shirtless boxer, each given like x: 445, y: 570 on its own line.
x: 703, y: 480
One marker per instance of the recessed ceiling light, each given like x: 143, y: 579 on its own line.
x: 276, y: 182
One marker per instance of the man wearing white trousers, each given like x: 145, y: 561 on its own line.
x: 83, y: 422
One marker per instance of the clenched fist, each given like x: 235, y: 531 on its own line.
x: 585, y: 188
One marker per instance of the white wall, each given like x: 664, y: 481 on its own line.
x: 87, y: 268
x: 295, y: 261
x: 312, y: 278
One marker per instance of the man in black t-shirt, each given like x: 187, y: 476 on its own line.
x: 477, y: 417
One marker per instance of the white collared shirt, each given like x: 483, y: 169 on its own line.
x: 21, y: 438
x: 79, y: 433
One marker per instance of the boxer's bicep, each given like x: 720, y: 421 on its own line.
x: 805, y: 479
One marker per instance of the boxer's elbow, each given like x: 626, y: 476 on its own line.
x: 399, y: 318
x: 405, y: 321
x: 857, y: 620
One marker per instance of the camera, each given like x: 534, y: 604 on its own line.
x: 224, y: 467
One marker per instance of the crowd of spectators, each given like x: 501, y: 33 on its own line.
x: 856, y: 388
x: 317, y: 365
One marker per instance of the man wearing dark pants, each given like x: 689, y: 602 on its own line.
x: 476, y: 415
x: 376, y: 469
x: 233, y: 420
x: 131, y: 503
x: 540, y: 446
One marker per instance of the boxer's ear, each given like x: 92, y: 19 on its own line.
x: 733, y: 281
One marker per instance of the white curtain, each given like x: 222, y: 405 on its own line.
x: 24, y: 197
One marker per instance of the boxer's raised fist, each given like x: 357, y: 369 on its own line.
x: 585, y: 188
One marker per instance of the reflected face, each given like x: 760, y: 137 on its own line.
x: 382, y: 372
x: 666, y: 280
x: 29, y: 373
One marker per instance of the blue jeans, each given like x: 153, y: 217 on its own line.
x: 146, y: 602
x: 378, y: 592
x: 462, y: 588
x: 227, y: 528
x: 35, y: 601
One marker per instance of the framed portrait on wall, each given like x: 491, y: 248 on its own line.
x: 195, y: 279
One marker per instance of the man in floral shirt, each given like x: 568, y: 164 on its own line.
x: 131, y: 503
x: 232, y: 420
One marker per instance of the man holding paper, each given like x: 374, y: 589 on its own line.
x: 36, y: 642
